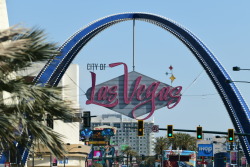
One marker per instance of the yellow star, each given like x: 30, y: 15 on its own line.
x: 172, y: 78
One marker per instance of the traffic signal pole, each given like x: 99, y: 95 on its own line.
x: 87, y: 119
x: 203, y: 131
x: 206, y: 131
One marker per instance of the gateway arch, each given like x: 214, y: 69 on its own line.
x: 230, y: 95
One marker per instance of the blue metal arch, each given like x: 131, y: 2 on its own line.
x: 231, y: 97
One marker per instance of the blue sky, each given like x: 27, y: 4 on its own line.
x: 222, y: 25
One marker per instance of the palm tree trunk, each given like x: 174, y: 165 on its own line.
x: 131, y: 160
x: 161, y: 158
x: 127, y: 160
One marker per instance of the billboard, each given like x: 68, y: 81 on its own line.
x: 233, y: 157
x: 205, y: 150
x: 97, y: 154
x: 85, y: 134
x: 133, y: 94
x: 243, y: 161
x: 186, y: 157
x: 106, y: 127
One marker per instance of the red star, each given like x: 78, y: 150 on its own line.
x: 170, y: 67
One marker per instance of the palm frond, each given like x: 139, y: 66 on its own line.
x: 28, y: 104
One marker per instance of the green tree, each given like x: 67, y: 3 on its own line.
x: 24, y: 106
x: 183, y: 141
x: 150, y: 161
x: 161, y: 143
x: 128, y: 151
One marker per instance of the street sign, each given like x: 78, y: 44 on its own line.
x: 205, y: 150
x: 155, y: 128
x: 98, y: 142
x: 233, y: 157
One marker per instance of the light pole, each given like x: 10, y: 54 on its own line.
x: 236, y: 68
x: 68, y: 151
x: 230, y: 81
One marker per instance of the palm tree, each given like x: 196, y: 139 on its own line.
x: 129, y: 152
x: 132, y: 154
x: 183, y: 141
x: 161, y: 143
x: 150, y: 161
x: 24, y: 106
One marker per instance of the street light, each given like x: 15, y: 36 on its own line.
x: 230, y: 81
x: 68, y: 151
x: 236, y: 68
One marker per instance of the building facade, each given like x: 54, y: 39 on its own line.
x: 4, y: 21
x: 77, y: 151
x: 126, y: 134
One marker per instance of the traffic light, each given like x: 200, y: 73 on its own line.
x: 225, y: 159
x: 170, y: 131
x: 230, y: 135
x: 140, y: 128
x: 86, y: 119
x: 199, y: 133
x: 212, y: 159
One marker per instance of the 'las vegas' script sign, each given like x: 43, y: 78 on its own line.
x: 133, y: 94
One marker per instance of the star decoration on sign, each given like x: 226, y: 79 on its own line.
x: 170, y: 67
x: 172, y: 78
